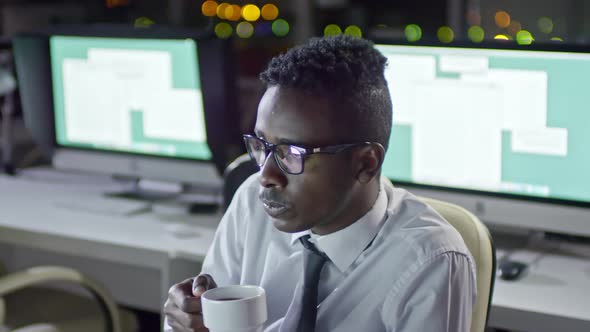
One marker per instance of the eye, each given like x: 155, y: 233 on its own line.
x: 295, y: 151
x: 290, y: 157
x: 258, y: 145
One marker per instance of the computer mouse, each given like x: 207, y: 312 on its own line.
x: 511, y: 270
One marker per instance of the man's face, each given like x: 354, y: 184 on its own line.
x: 320, y: 196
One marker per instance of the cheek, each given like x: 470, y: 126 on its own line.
x: 318, y: 191
x: 317, y: 195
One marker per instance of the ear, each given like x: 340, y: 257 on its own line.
x: 369, y: 161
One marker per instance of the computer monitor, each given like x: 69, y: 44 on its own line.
x: 146, y: 103
x: 500, y: 130
x: 139, y: 96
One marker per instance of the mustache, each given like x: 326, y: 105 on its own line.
x: 272, y: 195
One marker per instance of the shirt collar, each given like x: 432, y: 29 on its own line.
x: 344, y: 246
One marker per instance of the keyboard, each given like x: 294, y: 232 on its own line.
x: 105, y: 205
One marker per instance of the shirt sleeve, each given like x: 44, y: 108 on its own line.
x: 439, y: 297
x: 224, y: 258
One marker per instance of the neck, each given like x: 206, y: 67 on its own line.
x: 353, y: 209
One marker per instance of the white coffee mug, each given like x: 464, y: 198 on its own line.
x: 234, y: 309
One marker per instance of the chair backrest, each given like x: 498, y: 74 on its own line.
x: 480, y: 244
x: 35, y: 276
x: 235, y: 174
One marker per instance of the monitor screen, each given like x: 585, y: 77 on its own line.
x: 495, y: 121
x: 133, y: 95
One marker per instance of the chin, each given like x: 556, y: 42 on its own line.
x: 288, y: 226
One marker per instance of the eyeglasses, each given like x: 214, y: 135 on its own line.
x: 290, y: 158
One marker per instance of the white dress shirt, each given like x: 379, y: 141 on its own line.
x: 401, y: 267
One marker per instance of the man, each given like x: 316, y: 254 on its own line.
x: 387, y: 262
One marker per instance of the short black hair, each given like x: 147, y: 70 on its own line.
x: 349, y: 71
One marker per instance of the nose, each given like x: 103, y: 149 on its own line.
x: 270, y: 173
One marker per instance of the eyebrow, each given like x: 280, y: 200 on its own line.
x: 286, y: 141
x: 260, y: 134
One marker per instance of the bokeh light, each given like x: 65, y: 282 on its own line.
x: 209, y: 8
x: 143, y: 22
x: 557, y: 39
x: 280, y: 27
x: 353, y: 30
x: 502, y: 19
x: 245, y: 29
x: 233, y: 13
x: 501, y: 37
x: 413, y: 32
x: 476, y: 34
x: 221, y: 10
x: 514, y: 27
x: 545, y: 24
x: 332, y: 30
x: 251, y: 12
x: 223, y: 30
x: 445, y: 34
x: 523, y: 37
x: 269, y: 12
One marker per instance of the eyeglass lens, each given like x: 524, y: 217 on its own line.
x: 289, y: 158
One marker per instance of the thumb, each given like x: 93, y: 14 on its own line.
x: 203, y: 283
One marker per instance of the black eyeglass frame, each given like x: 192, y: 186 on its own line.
x: 270, y: 147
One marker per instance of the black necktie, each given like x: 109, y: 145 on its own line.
x: 315, y: 261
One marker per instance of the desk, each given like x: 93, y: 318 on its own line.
x: 135, y: 257
x: 554, y: 295
x: 138, y: 260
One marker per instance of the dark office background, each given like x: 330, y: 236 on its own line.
x: 438, y: 21
x: 256, y: 41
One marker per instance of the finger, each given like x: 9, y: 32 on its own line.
x: 173, y: 324
x: 202, y: 283
x: 172, y: 312
x: 181, y: 296
x: 182, y: 321
x: 175, y: 317
x: 191, y: 305
x: 180, y: 290
x: 189, y: 321
x: 176, y: 327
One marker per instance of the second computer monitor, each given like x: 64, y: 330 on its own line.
x: 493, y: 123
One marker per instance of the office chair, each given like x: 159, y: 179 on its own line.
x: 479, y: 242
x: 236, y: 173
x: 27, y: 307
x: 472, y: 230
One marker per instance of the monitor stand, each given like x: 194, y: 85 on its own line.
x: 172, y: 198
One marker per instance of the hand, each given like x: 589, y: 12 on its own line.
x: 183, y: 307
